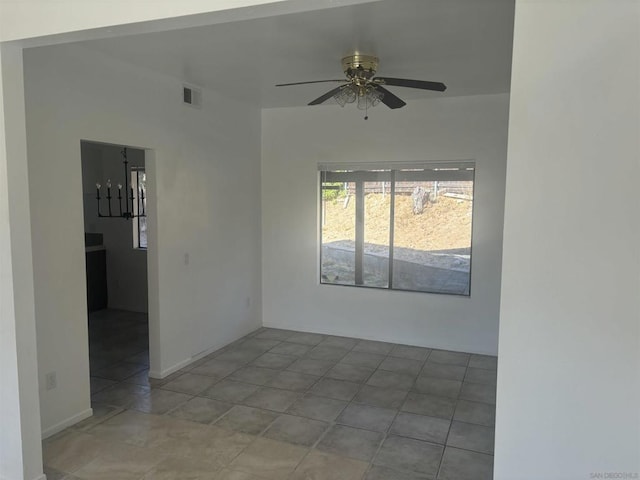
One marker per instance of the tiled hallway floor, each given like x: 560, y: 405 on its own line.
x: 282, y: 405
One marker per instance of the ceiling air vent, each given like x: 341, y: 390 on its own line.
x: 191, y: 96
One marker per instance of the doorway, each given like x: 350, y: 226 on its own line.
x: 114, y: 201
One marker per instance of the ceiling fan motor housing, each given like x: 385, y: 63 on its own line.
x: 360, y: 68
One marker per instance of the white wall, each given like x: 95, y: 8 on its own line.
x: 126, y: 265
x: 20, y: 448
x: 203, y: 174
x: 568, y: 403
x: 295, y: 140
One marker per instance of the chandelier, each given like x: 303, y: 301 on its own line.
x: 130, y: 200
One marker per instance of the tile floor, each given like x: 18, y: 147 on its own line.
x: 280, y: 405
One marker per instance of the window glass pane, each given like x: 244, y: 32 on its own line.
x: 139, y: 187
x: 375, y: 265
x: 432, y: 236
x: 338, y: 233
x: 142, y: 221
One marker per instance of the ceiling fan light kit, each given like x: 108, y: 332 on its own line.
x: 363, y: 88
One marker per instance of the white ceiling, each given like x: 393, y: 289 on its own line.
x: 464, y: 43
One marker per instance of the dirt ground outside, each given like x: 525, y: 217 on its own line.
x: 443, y: 225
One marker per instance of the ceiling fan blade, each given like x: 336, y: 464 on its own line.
x: 325, y: 97
x: 304, y: 83
x: 404, y: 82
x: 389, y: 99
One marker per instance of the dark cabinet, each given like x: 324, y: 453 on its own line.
x: 96, y: 260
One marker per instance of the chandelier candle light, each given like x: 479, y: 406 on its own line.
x: 127, y: 213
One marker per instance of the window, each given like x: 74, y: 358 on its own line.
x: 139, y: 185
x: 398, y: 228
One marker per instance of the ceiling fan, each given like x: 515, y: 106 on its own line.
x: 363, y: 87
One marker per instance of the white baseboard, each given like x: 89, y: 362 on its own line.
x: 168, y: 371
x: 42, y: 476
x: 391, y: 339
x: 58, y: 427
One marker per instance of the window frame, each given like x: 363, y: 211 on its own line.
x: 392, y: 173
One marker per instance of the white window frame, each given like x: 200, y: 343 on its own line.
x: 392, y: 173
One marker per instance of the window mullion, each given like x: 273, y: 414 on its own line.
x: 359, y: 247
x: 392, y: 209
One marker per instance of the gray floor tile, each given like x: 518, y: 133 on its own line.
x: 408, y: 454
x: 479, y: 375
x: 311, y: 366
x: 294, y: 349
x: 324, y: 352
x: 370, y: 346
x: 363, y: 359
x: 429, y: 405
x: 319, y: 408
x: 477, y: 392
x: 367, y: 417
x: 438, y: 386
x: 228, y: 391
x: 475, y: 412
x: 121, y: 394
x: 351, y: 442
x: 298, y: 382
x: 53, y: 474
x: 423, y: 421
x: 401, y: 365
x: 101, y: 413
x: 142, y: 378
x: 98, y: 384
x: 398, y: 381
x: 351, y: 373
x: 268, y: 459
x: 254, y: 375
x: 246, y: 420
x: 272, y: 399
x: 216, y: 368
x: 274, y: 360
x: 342, y: 342
x: 119, y: 371
x: 297, y: 430
x: 450, y: 358
x: 259, y: 344
x: 159, y: 401
x: 274, y: 334
x: 306, y: 338
x: 378, y: 472
x: 381, y: 397
x: 184, y: 468
x: 327, y: 466
x: 336, y: 389
x: 484, y: 361
x: 189, y: 383
x: 201, y: 410
x: 464, y: 465
x: 442, y: 370
x: 239, y: 355
x: 407, y: 351
x: 421, y: 427
x: 468, y: 436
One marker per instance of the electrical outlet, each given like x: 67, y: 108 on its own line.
x: 248, y: 302
x: 51, y: 381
